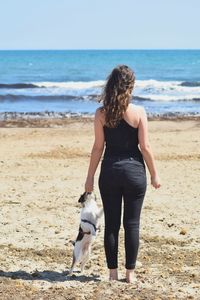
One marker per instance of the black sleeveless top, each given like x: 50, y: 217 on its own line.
x: 122, y: 141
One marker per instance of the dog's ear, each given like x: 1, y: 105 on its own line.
x: 82, y: 198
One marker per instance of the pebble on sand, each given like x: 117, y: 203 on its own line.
x: 183, y: 231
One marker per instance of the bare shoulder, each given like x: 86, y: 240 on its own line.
x: 140, y: 111
x: 138, y: 108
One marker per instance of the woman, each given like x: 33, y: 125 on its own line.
x: 121, y: 126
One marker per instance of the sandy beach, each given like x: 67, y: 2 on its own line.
x: 43, y: 165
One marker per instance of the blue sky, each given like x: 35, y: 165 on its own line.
x: 99, y: 24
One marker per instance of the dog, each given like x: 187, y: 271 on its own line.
x: 89, y: 222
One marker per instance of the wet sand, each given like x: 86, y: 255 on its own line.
x: 43, y: 165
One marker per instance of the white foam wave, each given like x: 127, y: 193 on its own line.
x: 72, y: 84
x: 141, y: 85
x: 145, y: 89
x: 165, y: 85
x: 165, y: 90
x: 165, y: 98
x: 156, y: 83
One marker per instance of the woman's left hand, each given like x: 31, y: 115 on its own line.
x: 89, y: 184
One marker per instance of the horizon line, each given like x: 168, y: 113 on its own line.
x: 99, y: 49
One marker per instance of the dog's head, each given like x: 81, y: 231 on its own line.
x: 86, y: 197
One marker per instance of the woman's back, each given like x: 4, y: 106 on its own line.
x: 122, y: 140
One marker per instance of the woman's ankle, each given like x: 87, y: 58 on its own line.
x: 130, y: 276
x: 113, y: 274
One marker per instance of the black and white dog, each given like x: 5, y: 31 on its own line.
x: 90, y: 215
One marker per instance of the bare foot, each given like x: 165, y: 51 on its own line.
x: 130, y: 276
x: 113, y: 274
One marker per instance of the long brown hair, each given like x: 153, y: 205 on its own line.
x: 117, y: 94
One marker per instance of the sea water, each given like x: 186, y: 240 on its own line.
x: 71, y: 81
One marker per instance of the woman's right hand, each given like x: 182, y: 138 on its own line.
x: 155, y: 181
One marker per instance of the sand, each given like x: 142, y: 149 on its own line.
x: 42, y: 173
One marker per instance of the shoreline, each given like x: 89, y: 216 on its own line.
x: 52, y: 119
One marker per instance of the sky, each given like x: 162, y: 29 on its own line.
x: 99, y: 24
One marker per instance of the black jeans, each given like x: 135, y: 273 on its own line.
x: 122, y: 178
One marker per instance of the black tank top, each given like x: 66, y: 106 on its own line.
x: 122, y: 141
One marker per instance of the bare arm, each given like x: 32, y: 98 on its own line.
x: 146, y: 149
x: 97, y: 151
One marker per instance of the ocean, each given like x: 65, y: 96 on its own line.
x: 68, y: 82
